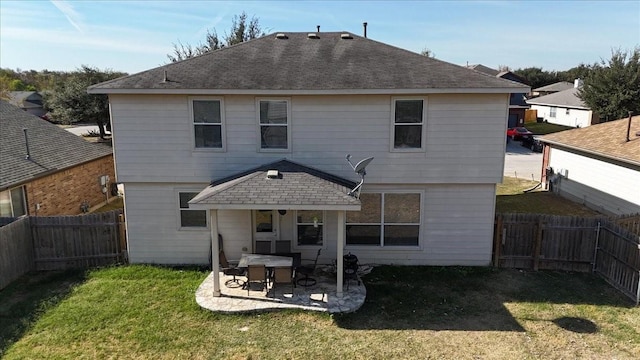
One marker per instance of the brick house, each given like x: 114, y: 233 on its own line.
x: 45, y: 170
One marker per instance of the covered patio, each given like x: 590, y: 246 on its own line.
x: 283, y: 186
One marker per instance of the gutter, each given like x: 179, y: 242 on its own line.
x: 591, y: 152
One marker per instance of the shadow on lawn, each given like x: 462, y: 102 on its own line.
x: 464, y: 298
x: 22, y: 302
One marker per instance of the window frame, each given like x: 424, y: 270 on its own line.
x: 222, y: 125
x: 24, y: 200
x: 381, y: 223
x: 259, y: 125
x: 553, y: 111
x: 179, y: 211
x: 295, y: 231
x: 423, y: 133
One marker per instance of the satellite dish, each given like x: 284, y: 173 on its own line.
x: 359, y: 168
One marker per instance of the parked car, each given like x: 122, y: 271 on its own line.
x: 519, y: 133
x: 533, y: 143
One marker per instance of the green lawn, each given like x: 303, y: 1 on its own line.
x: 545, y: 128
x: 144, y: 312
x: 511, y: 198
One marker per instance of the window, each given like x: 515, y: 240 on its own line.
x: 207, y: 123
x: 13, y: 202
x: 191, y: 218
x: 387, y: 219
x: 408, y: 123
x: 274, y: 124
x: 566, y: 112
x: 310, y: 227
x: 552, y: 111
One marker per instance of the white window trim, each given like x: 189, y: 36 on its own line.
x: 553, y: 111
x: 24, y: 200
x: 392, y: 128
x: 223, y: 129
x: 295, y: 233
x: 258, y: 125
x: 179, y: 210
x: 381, y: 246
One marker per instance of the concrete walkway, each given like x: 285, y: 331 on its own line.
x: 521, y: 162
x: 319, y: 297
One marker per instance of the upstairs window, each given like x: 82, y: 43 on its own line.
x: 408, y: 124
x: 191, y: 218
x: 274, y: 124
x: 207, y: 124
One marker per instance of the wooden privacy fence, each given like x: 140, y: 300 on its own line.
x: 61, y: 242
x: 533, y: 241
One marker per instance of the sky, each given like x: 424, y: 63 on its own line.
x: 132, y: 36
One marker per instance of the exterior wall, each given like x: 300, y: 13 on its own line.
x: 575, y: 118
x: 456, y: 229
x: 464, y: 139
x: 63, y: 192
x: 600, y: 185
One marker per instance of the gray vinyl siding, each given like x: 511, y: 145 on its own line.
x: 464, y: 138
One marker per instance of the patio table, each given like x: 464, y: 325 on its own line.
x: 269, y: 261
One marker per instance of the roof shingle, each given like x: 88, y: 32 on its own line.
x: 566, y: 98
x: 51, y: 148
x: 299, y: 63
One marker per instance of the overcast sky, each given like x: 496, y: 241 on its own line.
x: 133, y: 36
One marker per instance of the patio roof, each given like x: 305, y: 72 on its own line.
x: 295, y: 187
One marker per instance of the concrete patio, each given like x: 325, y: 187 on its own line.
x: 319, y: 297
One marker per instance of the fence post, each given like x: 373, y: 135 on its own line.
x: 497, y: 242
x: 122, y: 236
x: 537, y: 245
x: 595, y: 250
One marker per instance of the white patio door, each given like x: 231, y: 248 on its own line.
x: 266, y: 230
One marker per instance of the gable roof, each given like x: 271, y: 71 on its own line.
x: 298, y: 187
x: 606, y: 140
x: 51, y: 148
x: 25, y: 99
x: 555, y: 87
x: 484, y: 69
x: 566, y: 98
x: 328, y: 64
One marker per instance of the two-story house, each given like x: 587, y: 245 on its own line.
x: 249, y: 142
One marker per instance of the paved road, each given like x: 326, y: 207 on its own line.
x: 82, y: 129
x: 521, y: 162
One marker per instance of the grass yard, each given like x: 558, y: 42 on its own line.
x: 545, y: 128
x: 512, y: 199
x: 144, y: 312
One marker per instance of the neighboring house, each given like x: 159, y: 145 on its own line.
x: 29, y: 101
x: 552, y: 88
x: 564, y: 108
x: 597, y: 165
x: 194, y: 141
x: 517, y: 102
x: 46, y: 170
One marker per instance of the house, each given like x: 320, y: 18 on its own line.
x: 564, y: 108
x: 46, y: 170
x: 249, y: 142
x: 552, y: 88
x: 598, y: 165
x: 517, y: 102
x: 29, y: 101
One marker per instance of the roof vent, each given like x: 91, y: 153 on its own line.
x: 281, y: 36
x: 313, y: 36
x: 346, y: 36
x: 273, y: 174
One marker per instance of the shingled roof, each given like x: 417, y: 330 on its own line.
x: 297, y: 187
x: 326, y: 63
x: 555, y: 87
x: 566, y: 98
x: 607, y: 140
x: 51, y: 148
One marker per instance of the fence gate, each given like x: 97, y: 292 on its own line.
x: 617, y: 259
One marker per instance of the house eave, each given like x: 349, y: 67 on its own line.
x: 595, y: 154
x: 307, y: 92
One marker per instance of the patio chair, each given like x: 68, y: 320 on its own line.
x: 256, y: 273
x: 282, y: 275
x: 307, y: 270
x: 229, y: 270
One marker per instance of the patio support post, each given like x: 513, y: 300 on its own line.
x: 215, y: 250
x: 340, y: 252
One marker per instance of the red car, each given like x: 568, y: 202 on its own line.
x: 518, y: 133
